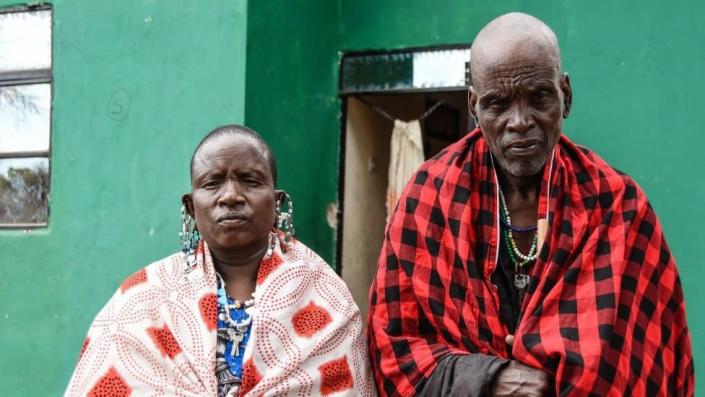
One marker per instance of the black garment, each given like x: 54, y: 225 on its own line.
x: 458, y: 375
x: 503, y: 278
x: 471, y: 375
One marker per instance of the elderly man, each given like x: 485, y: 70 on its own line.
x: 518, y: 263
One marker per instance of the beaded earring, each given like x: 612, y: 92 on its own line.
x: 188, y: 237
x: 285, y: 216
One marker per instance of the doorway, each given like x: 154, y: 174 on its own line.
x: 372, y: 99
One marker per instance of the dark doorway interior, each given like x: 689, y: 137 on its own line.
x: 365, y: 152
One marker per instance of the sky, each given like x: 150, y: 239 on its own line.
x: 25, y: 43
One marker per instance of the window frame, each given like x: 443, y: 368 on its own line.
x: 29, y: 77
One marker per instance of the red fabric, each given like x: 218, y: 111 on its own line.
x: 111, y: 384
x: 208, y: 306
x: 310, y: 319
x: 136, y: 278
x: 335, y: 376
x: 164, y: 340
x: 604, y: 312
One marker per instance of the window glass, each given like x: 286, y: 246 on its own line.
x: 24, y: 118
x: 24, y: 190
x: 377, y: 72
x: 405, y: 71
x: 25, y: 40
x: 440, y: 68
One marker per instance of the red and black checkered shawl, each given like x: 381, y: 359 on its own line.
x: 604, y: 313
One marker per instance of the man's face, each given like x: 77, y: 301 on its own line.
x: 233, y: 199
x: 520, y: 102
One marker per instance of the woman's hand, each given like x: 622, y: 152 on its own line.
x: 517, y: 379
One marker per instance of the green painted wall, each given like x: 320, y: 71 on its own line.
x: 116, y: 180
x: 292, y: 86
x: 635, y: 68
x: 636, y: 71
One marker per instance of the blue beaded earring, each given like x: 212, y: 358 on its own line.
x: 189, y: 238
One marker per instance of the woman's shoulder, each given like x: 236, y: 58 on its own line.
x: 298, y: 252
x: 154, y: 274
x: 320, y: 283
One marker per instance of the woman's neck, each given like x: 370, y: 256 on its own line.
x: 239, y: 272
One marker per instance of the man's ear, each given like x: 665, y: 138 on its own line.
x: 187, y: 201
x: 567, y: 94
x: 472, y: 102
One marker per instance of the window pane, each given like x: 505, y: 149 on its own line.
x: 440, y: 68
x: 379, y: 72
x: 24, y: 191
x: 25, y: 40
x: 408, y: 71
x: 24, y: 118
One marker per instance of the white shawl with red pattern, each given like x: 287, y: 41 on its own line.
x: 157, y: 334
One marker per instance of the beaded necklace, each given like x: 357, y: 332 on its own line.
x: 236, y: 328
x: 521, y: 279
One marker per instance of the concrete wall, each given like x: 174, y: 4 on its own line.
x: 115, y: 181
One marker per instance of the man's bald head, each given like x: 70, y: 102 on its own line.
x: 518, y: 96
x: 509, y: 36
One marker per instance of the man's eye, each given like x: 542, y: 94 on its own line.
x: 210, y: 184
x: 497, y: 103
x: 541, y: 95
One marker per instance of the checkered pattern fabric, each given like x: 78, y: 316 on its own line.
x: 604, y: 312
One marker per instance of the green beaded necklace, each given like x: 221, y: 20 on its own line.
x: 521, y: 280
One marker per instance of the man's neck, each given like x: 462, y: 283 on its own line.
x: 522, y: 196
x: 525, y: 187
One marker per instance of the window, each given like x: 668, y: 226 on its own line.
x: 407, y: 70
x: 25, y: 116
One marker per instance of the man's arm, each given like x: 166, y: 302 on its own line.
x: 463, y: 375
x: 484, y: 375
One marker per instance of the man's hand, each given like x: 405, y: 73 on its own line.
x: 517, y: 379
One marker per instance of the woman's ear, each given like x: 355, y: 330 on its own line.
x: 278, y: 197
x: 187, y: 201
x: 278, y: 201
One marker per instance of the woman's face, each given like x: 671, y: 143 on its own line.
x: 232, y: 198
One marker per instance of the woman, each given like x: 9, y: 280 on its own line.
x: 244, y: 310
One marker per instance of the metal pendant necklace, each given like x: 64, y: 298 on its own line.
x: 237, y: 328
x: 521, y: 279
